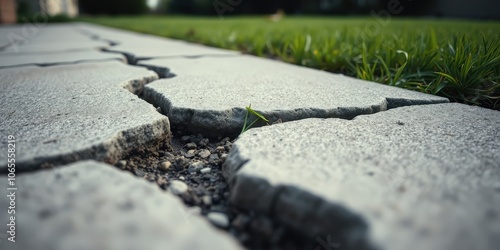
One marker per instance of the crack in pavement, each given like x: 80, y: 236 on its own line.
x: 94, y: 138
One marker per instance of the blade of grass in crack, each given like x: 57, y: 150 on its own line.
x: 247, y: 126
x: 253, y: 112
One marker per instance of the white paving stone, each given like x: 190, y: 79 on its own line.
x: 63, y: 114
x: 90, y: 205
x: 422, y: 177
x: 209, y: 95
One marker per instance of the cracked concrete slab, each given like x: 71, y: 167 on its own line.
x: 209, y: 95
x: 40, y: 33
x: 90, y: 205
x: 63, y: 114
x: 421, y: 177
x: 53, y: 47
x: 44, y: 59
x: 138, y: 46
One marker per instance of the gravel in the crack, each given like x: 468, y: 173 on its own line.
x: 218, y: 219
x: 191, y: 167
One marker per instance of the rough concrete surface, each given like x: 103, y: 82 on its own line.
x: 40, y: 37
x: 48, y: 59
x: 53, y: 47
x: 90, y: 205
x: 423, y: 177
x: 63, y: 114
x: 138, y: 46
x: 209, y: 95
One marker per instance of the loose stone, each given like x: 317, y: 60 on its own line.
x: 195, y: 167
x: 122, y: 163
x: 213, y: 158
x: 204, y: 153
x: 205, y: 170
x: 162, y: 181
x: 178, y: 187
x: 165, y: 166
x: 181, y: 163
x: 190, y: 153
x: 191, y: 145
x: 207, y: 200
x: 218, y: 219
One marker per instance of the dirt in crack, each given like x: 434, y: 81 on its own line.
x: 191, y: 167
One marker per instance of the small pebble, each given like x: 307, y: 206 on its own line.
x: 191, y: 145
x: 218, y: 219
x: 190, y: 153
x: 207, y: 200
x: 220, y: 149
x: 178, y: 187
x: 139, y: 172
x: 182, y: 178
x: 213, y: 158
x: 195, y: 166
x: 122, y: 163
x: 185, y: 138
x: 205, y: 170
x: 204, y: 153
x: 161, y: 181
x: 165, y: 166
x: 180, y: 163
x: 169, y: 156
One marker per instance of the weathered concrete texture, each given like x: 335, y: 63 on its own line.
x: 209, y: 95
x: 423, y: 177
x: 138, y: 46
x: 91, y: 205
x: 32, y: 38
x: 47, y: 59
x: 6, y: 35
x: 53, y: 47
x: 63, y: 114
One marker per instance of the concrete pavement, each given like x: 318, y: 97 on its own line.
x: 366, y: 165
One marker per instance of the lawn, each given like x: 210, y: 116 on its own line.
x: 455, y: 59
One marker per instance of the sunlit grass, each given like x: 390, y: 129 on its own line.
x: 456, y: 59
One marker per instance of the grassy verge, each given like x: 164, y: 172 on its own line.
x: 455, y: 59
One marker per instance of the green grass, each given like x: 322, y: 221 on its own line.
x: 247, y: 124
x: 455, y: 59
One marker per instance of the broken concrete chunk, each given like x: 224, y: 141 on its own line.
x: 90, y: 205
x: 63, y: 114
x: 209, y: 95
x: 422, y: 177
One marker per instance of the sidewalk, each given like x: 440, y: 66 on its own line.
x: 348, y: 164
